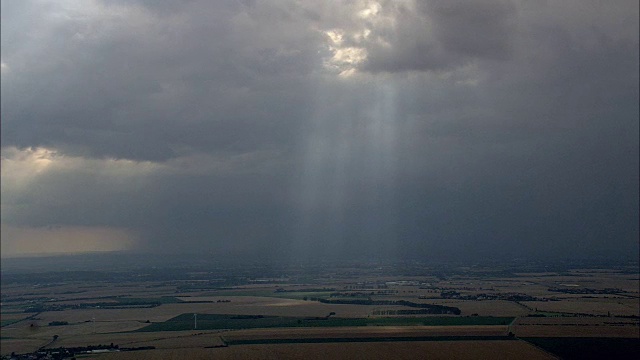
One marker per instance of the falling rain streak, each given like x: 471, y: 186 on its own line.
x: 348, y: 173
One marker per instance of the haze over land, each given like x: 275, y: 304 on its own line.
x: 298, y: 129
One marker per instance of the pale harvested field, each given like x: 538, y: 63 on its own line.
x: 625, y: 282
x: 32, y: 339
x: 102, y: 290
x: 106, y: 316
x: 122, y: 320
x: 574, y: 320
x: 22, y: 335
x: 195, y: 341
x: 389, y: 350
x: 21, y: 346
x: 134, y: 339
x: 528, y: 286
x: 119, y: 320
x: 482, y: 308
x: 107, y: 319
x: 23, y: 330
x: 251, y: 305
x: 618, y: 281
x: 13, y: 316
x: 576, y: 327
x: 576, y: 331
x: 596, y: 306
x: 161, y: 340
x: 271, y: 286
x: 564, y: 296
x: 85, y: 301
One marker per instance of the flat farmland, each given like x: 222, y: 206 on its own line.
x: 365, y: 332
x: 195, y: 338
x: 8, y: 318
x: 484, y: 307
x: 164, y: 340
x: 389, y: 350
x: 576, y: 327
x: 22, y: 345
x: 226, y: 321
x: 72, y: 291
x: 580, y: 320
x: 595, y: 306
x: 249, y: 305
x: 577, y: 331
x: 360, y: 309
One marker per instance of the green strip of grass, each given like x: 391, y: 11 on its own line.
x: 155, y: 300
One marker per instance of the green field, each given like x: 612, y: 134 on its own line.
x: 149, y: 300
x: 219, y: 321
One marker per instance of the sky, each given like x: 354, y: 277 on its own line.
x: 298, y: 129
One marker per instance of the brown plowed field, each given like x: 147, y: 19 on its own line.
x: 365, y: 332
x: 516, y: 350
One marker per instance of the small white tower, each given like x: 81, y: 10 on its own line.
x: 195, y: 321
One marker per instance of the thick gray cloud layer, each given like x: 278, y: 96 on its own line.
x: 304, y: 128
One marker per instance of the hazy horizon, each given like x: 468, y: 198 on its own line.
x: 293, y: 130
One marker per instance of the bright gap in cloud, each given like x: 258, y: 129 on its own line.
x: 40, y: 241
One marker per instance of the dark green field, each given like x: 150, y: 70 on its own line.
x: 149, y: 300
x: 219, y: 321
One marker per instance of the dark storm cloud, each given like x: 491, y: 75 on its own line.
x: 326, y: 128
x: 138, y: 85
x: 443, y: 35
x: 481, y: 29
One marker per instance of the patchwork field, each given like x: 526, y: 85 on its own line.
x: 456, y: 314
